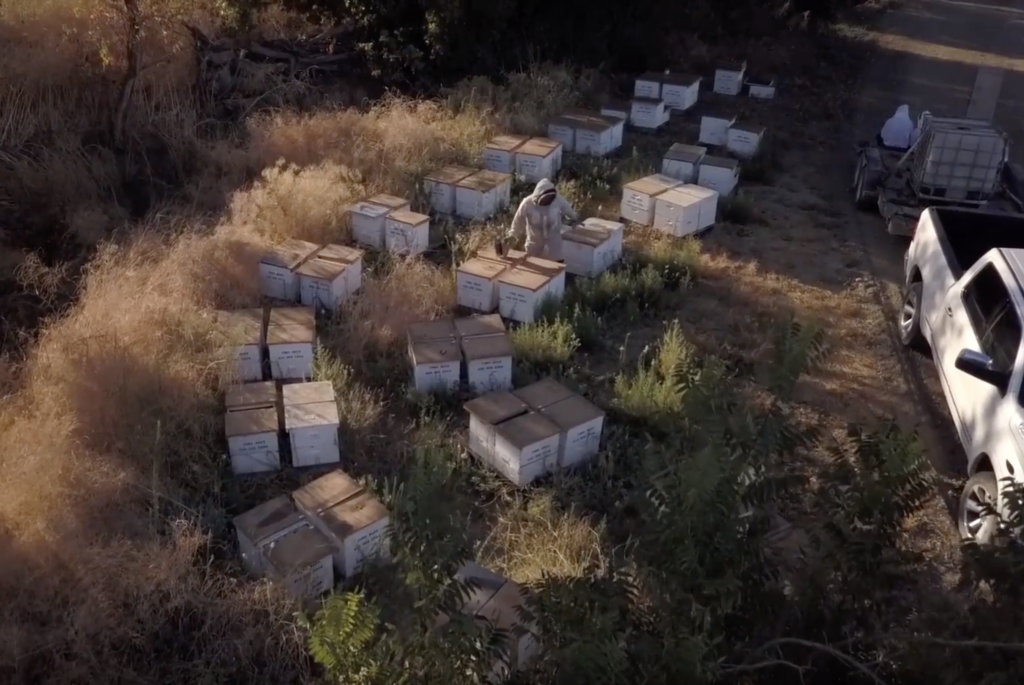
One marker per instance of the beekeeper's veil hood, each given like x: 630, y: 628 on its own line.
x: 903, y: 111
x: 543, y: 186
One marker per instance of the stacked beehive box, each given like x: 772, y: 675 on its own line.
x: 524, y: 287
x: 487, y: 350
x: 291, y: 340
x: 721, y: 174
x: 714, y: 128
x: 638, y: 197
x: 500, y: 153
x: 538, y: 158
x: 760, y: 87
x: 680, y: 91
x: 594, y: 133
x: 278, y: 279
x: 616, y: 108
x: 648, y: 109
x: 311, y: 421
x: 330, y: 276
x: 252, y: 428
x: 356, y: 523
x: 533, y: 431
x: 744, y: 140
x: 729, y: 79
x: 242, y: 332
x: 275, y: 540
x: 406, y: 233
x: 482, y: 194
x: 368, y: 219
x: 590, y: 249
x: 435, y: 356
x: 440, y: 186
x: 681, y: 162
x: 685, y: 210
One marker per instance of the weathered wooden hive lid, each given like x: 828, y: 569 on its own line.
x: 290, y: 334
x: 436, y: 329
x: 436, y: 351
x: 495, y: 407
x: 369, y: 209
x: 686, y: 153
x: 389, y: 201
x: 290, y: 253
x: 297, y: 550
x: 251, y: 396
x: 587, y: 235
x: 652, y: 185
x: 482, y: 324
x: 292, y: 316
x: 572, y: 412
x: 484, y: 268
x: 307, y: 393
x: 543, y: 393
x: 250, y: 422
x: 527, y: 279
x: 680, y: 79
x: 404, y: 216
x: 343, y: 254
x: 487, y: 346
x: 507, y: 143
x: 322, y: 269
x: 311, y: 414
x: 527, y: 429
x: 723, y: 162
x: 268, y: 518
x: 341, y: 503
x: 451, y: 174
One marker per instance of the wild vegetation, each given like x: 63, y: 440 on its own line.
x: 725, y: 534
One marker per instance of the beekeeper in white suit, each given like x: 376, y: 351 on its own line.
x: 897, y: 130
x: 540, y: 217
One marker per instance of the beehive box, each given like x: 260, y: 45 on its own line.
x: 648, y: 86
x: 294, y: 394
x: 440, y: 186
x: 714, y: 128
x: 680, y: 91
x: 407, y: 233
x: 392, y: 202
x: 595, y: 136
x: 744, y: 140
x: 617, y: 109
x: 542, y: 394
x: 435, y: 356
x: 729, y: 78
x: 262, y: 525
x: 488, y: 362
x: 262, y: 395
x: 520, y: 293
x: 719, y: 173
x: 253, y: 444
x: 480, y: 324
x: 553, y: 270
x: 503, y: 182
x: 313, y: 433
x: 478, y: 196
x: 323, y: 283
x: 500, y: 153
x: 588, y: 250
x: 353, y: 519
x: 707, y: 202
x: 352, y: 258
x: 615, y: 228
x: 761, y: 87
x: 539, y: 158
x: 563, y: 130
x: 677, y: 213
x: 638, y: 197
x: 682, y: 161
x: 581, y: 423
x: 301, y: 562
x: 243, y: 332
x: 648, y: 113
x: 476, y: 284
x: 516, y: 442
x: 291, y: 338
x: 277, y: 269
x: 367, y: 220
x: 598, y: 121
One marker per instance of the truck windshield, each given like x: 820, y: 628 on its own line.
x: 993, y: 317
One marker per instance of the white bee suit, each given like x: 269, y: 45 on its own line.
x: 542, y: 225
x: 898, y: 129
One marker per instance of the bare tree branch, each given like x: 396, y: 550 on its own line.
x: 807, y: 644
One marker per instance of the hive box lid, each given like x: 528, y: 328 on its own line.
x: 730, y: 118
x: 543, y: 393
x: 251, y: 395
x: 287, y: 316
x: 679, y: 196
x: 343, y: 254
x: 389, y: 201
x: 604, y: 224
x: 297, y: 550
x: 268, y: 518
x: 485, y: 584
x: 483, y: 324
x: 438, y: 329
x: 484, y: 268
x: 653, y: 185
x: 572, y: 412
x: 483, y: 181
x: 594, y: 121
x: 250, y: 422
x: 309, y: 415
x: 697, y: 191
x: 686, y: 153
x: 487, y: 346
x: 322, y: 269
x: 340, y: 502
x: 544, y: 142
x: 245, y: 324
x: 680, y: 79
x: 734, y: 66
x: 648, y: 101
x: 544, y: 266
x: 307, y: 393
x: 748, y: 128
x: 527, y: 429
x: 653, y: 76
x: 524, y: 278
x: 587, y: 235
x: 495, y: 407
x: 723, y: 162
x: 533, y: 147
x: 436, y: 351
x: 759, y: 80
x: 369, y: 209
x: 294, y: 333
x: 450, y: 174
x: 404, y: 216
x: 290, y: 253
x: 507, y: 143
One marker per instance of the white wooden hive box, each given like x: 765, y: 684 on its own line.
x: 277, y: 277
x: 301, y: 561
x: 677, y: 213
x: 714, y: 128
x: 729, y: 78
x: 313, y: 433
x: 594, y: 136
x: 243, y: 333
x: 476, y: 283
x: 617, y: 109
x: 367, y: 220
x: 648, y: 86
x: 719, y: 173
x: 440, y: 186
x: 617, y: 230
x: 525, y: 446
x: 261, y: 525
x: 588, y: 251
x: 488, y: 362
x: 681, y: 162
x: 744, y: 140
x: 476, y: 196
x: 581, y: 423
x: 290, y: 348
x: 680, y: 91
x: 485, y: 413
x: 261, y: 395
x: 563, y: 130
x: 352, y: 258
x: 520, y: 293
x: 500, y: 153
x: 355, y: 521
x: 253, y: 444
x: 553, y: 270
x: 760, y: 87
x: 436, y: 365
x: 638, y: 197
x: 708, y: 202
x: 648, y: 113
x: 323, y: 284
x: 407, y: 233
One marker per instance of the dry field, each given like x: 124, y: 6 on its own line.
x: 114, y: 503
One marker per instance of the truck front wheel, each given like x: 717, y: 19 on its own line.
x: 910, y: 318
x: 974, y: 522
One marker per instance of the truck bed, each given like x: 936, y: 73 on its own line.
x: 965, y: 235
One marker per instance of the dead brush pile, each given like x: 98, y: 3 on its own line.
x: 112, y: 500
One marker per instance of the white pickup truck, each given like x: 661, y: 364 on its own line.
x: 964, y: 298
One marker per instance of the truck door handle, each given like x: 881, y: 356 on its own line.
x: 949, y: 311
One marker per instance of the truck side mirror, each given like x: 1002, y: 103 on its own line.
x: 980, y: 366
